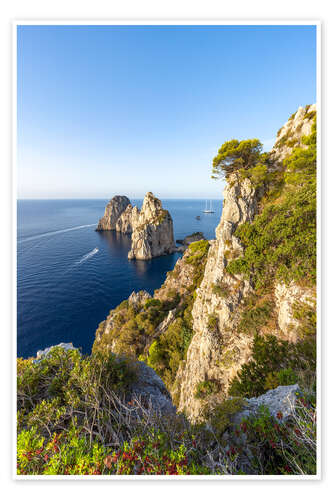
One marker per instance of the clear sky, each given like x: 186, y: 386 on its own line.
x: 105, y: 110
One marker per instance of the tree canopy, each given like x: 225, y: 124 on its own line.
x: 234, y: 155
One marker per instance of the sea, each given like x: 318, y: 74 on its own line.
x: 69, y: 276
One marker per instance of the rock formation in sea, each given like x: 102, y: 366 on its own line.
x: 152, y: 235
x: 113, y: 211
x: 151, y: 228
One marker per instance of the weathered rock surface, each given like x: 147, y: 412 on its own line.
x: 137, y: 299
x: 217, y: 353
x: 280, y: 400
x: 153, y: 235
x: 113, y: 211
x: 289, y: 136
x: 128, y: 220
x: 150, y: 388
x: 286, y: 298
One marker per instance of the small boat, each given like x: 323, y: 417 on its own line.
x: 198, y: 217
x: 208, y: 210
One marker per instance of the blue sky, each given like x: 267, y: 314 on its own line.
x: 105, y: 110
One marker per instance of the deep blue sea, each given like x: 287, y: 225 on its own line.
x: 69, y: 276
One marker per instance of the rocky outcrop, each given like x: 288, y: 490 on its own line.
x: 138, y: 299
x: 128, y: 220
x: 113, y: 211
x: 289, y: 136
x: 286, y: 299
x: 281, y: 400
x: 151, y: 227
x: 150, y: 389
x: 153, y: 234
x: 217, y: 351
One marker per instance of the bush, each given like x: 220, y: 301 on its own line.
x: 283, y: 447
x: 206, y: 388
x: 274, y: 362
x: 212, y: 322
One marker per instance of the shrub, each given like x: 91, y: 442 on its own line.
x: 212, y: 322
x: 274, y: 362
x: 206, y: 388
x: 255, y: 315
x: 283, y: 447
x: 221, y: 289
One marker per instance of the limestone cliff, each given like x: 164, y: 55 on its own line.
x: 219, y: 347
x: 152, y: 236
x: 113, y: 211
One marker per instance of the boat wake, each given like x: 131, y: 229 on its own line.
x: 87, y: 256
x: 51, y: 233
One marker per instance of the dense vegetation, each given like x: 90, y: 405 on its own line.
x: 281, y: 241
x: 74, y: 418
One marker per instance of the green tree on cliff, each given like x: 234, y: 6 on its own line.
x: 234, y: 155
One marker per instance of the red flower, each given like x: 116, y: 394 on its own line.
x: 46, y: 457
x: 194, y: 444
x: 279, y: 415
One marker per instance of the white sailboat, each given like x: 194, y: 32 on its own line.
x: 208, y: 210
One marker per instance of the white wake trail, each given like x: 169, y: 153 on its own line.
x: 87, y: 256
x: 51, y: 233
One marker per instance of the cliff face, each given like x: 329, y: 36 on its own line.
x: 152, y: 235
x: 219, y: 347
x: 113, y: 211
x: 217, y: 351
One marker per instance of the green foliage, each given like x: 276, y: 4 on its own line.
x: 206, y: 388
x: 281, y: 241
x: 255, y: 315
x: 283, y: 447
x: 212, y: 322
x: 274, y: 362
x: 235, y: 155
x: 220, y: 417
x: 198, y: 251
x: 221, y: 289
x: 306, y: 316
x: 55, y: 390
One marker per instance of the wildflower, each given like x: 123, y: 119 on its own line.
x: 287, y: 468
x: 279, y: 415
x: 46, y: 457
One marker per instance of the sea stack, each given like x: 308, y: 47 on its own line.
x: 152, y: 235
x: 113, y: 211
